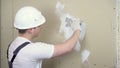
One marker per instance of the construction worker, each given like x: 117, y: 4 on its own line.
x: 23, y: 53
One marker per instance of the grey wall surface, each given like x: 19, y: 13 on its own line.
x: 99, y: 16
x: 0, y: 33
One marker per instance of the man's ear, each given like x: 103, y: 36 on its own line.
x: 30, y: 30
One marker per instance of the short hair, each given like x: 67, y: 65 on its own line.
x: 22, y: 31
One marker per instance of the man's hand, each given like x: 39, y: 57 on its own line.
x: 75, y: 24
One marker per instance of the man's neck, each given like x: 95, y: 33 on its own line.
x: 27, y: 36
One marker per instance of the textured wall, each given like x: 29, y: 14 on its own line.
x: 99, y: 16
x: 6, y: 29
x: 0, y: 33
x: 119, y: 33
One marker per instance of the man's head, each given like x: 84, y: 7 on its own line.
x: 28, y: 18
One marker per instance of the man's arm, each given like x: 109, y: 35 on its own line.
x: 67, y: 46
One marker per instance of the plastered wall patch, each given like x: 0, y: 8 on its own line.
x: 85, y: 54
x: 65, y: 26
x: 84, y: 57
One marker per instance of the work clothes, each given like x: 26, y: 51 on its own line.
x: 31, y: 55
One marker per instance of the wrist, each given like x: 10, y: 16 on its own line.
x: 78, y: 33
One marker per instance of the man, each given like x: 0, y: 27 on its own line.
x: 29, y: 22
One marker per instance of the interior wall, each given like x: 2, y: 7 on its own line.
x: 119, y: 34
x: 6, y: 29
x: 99, y: 16
x: 0, y: 33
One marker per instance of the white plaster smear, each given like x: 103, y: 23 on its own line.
x: 65, y: 27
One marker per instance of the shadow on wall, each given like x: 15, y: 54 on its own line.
x: 0, y: 34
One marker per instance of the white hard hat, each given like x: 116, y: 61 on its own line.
x: 28, y: 17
